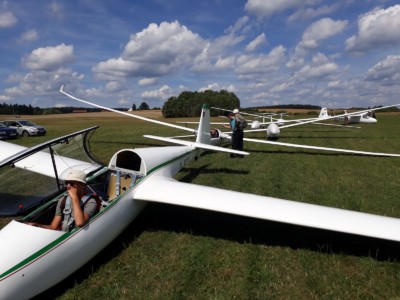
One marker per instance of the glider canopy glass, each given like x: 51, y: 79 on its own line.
x: 34, y: 175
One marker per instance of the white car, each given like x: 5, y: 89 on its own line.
x: 25, y: 127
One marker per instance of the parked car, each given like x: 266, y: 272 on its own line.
x: 25, y: 127
x: 7, y: 133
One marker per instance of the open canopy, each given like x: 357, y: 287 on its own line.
x: 28, y: 176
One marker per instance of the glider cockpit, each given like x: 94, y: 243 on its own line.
x: 125, y: 169
x: 127, y: 160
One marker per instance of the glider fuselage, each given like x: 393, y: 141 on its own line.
x: 32, y: 259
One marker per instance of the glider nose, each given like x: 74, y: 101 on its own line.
x: 372, y: 120
x: 273, y: 131
x: 255, y: 125
x: 368, y: 120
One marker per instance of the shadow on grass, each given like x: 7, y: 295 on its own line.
x: 255, y: 231
x: 194, y: 172
x: 163, y: 217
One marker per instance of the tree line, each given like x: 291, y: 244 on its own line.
x: 189, y: 104
x: 22, y: 109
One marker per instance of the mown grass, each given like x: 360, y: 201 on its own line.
x: 180, y: 253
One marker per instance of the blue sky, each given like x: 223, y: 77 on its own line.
x: 336, y: 54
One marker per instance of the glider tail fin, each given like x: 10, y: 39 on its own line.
x: 323, y: 113
x: 203, y: 132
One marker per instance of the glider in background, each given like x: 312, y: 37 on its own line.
x: 273, y: 131
x: 32, y: 259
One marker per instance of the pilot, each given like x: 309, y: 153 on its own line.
x: 214, y: 133
x: 75, y: 208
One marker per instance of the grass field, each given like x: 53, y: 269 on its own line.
x: 180, y: 253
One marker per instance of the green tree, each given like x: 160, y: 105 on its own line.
x: 144, y: 106
x: 189, y: 104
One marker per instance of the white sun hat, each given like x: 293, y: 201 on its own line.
x: 76, y: 175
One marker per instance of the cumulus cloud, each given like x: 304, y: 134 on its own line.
x: 262, y: 8
x: 321, y: 30
x: 258, y: 41
x: 202, y: 63
x: 166, y: 43
x: 216, y: 49
x: 233, y: 36
x: 210, y: 87
x: 386, y: 71
x: 309, y: 72
x: 123, y: 101
x: 28, y: 36
x: 39, y: 82
x: 265, y: 8
x: 155, y: 51
x: 115, y: 67
x: 225, y: 63
x: 312, y: 37
x: 221, y: 46
x: 216, y: 87
x: 162, y: 93
x: 56, y: 10
x: 147, y: 81
x: 377, y: 28
x: 49, y: 58
x: 309, y: 13
x: 113, y: 86
x: 264, y: 63
x: 335, y: 84
x: 319, y: 68
x: 7, y: 19
x: 5, y: 98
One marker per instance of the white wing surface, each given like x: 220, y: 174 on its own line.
x: 8, y: 149
x: 196, y: 145
x: 37, y: 160
x: 322, y: 148
x: 170, y: 191
x: 41, y: 163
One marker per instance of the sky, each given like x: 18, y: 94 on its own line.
x: 335, y: 54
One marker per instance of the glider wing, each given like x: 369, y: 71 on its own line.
x: 39, y: 159
x: 322, y: 148
x: 170, y: 191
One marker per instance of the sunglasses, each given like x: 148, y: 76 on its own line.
x: 71, y: 183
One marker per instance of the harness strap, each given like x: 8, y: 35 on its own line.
x: 117, y: 183
x: 134, y: 176
x: 68, y: 222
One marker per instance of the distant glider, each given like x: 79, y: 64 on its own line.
x: 32, y: 259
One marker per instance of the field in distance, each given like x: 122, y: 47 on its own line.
x: 173, y: 252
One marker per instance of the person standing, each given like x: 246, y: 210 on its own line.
x: 235, y: 121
